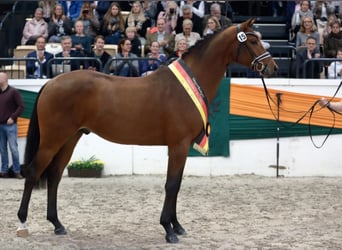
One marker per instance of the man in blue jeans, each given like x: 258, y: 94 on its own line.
x: 11, y: 106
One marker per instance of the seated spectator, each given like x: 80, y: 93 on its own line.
x: 90, y: 22
x: 170, y: 15
x: 215, y: 10
x: 298, y: 15
x: 148, y: 66
x: 100, y: 53
x: 310, y: 51
x: 190, y: 37
x: 180, y: 48
x: 197, y: 23
x: 72, y: 9
x: 165, y: 39
x: 333, y: 40
x: 136, y: 18
x: 121, y: 66
x: 80, y: 41
x: 211, y: 26
x: 59, y: 25
x: 307, y: 28
x: 113, y: 24
x: 198, y: 7
x: 335, y: 68
x: 322, y: 9
x: 327, y: 30
x: 34, y: 28
x: 39, y: 68
x: 65, y: 65
x: 135, y: 41
x: 47, y: 7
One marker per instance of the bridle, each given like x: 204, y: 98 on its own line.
x: 256, y: 64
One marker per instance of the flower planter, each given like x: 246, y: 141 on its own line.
x: 73, y: 172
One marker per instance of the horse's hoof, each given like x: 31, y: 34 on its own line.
x: 60, y: 231
x: 179, y: 230
x: 171, y: 238
x: 22, y: 232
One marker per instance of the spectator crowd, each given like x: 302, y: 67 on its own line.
x: 148, y: 29
x: 159, y: 30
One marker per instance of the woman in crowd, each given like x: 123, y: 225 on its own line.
x: 136, y: 18
x: 299, y: 14
x: 190, y: 37
x: 211, y: 26
x: 180, y: 48
x: 113, y: 24
x: 90, y: 22
x: 35, y: 28
x: 333, y: 40
x: 307, y: 28
x: 170, y: 14
x: 59, y: 25
x: 120, y: 65
x: 148, y: 66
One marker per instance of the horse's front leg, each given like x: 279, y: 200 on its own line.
x: 168, y: 219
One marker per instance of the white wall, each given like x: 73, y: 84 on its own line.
x: 297, y: 154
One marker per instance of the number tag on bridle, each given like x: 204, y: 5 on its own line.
x: 242, y: 37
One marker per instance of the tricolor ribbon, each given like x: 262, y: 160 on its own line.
x: 189, y: 83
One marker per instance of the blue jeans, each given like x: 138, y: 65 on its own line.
x: 9, y: 134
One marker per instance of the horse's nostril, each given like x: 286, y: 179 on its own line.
x: 276, y: 67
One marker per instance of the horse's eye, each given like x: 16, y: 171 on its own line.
x: 254, y: 42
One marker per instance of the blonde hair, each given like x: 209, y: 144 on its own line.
x: 186, y: 22
x: 131, y: 17
x: 177, y: 43
x: 313, y: 28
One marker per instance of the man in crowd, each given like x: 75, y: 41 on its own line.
x: 12, y: 106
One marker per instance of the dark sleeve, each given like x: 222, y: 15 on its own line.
x: 30, y: 65
x: 67, y: 24
x: 51, y: 28
x: 19, y: 103
x: 143, y: 66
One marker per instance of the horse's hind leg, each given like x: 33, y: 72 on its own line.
x: 168, y: 219
x: 54, y: 176
x: 32, y: 175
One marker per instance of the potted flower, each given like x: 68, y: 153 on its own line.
x: 91, y: 167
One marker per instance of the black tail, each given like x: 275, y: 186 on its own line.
x: 32, y: 142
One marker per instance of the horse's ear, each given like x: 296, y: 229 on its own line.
x: 250, y: 22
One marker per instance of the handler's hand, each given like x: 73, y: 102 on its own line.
x: 323, y: 102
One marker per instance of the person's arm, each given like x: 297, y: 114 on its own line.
x: 20, y: 105
x: 30, y: 65
x: 199, y: 11
x: 336, y: 106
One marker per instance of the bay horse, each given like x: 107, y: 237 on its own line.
x: 151, y: 110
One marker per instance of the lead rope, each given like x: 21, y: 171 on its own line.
x: 310, y: 111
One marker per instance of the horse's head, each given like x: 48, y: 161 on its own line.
x: 250, y: 51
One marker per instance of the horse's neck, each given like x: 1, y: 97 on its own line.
x: 208, y: 73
